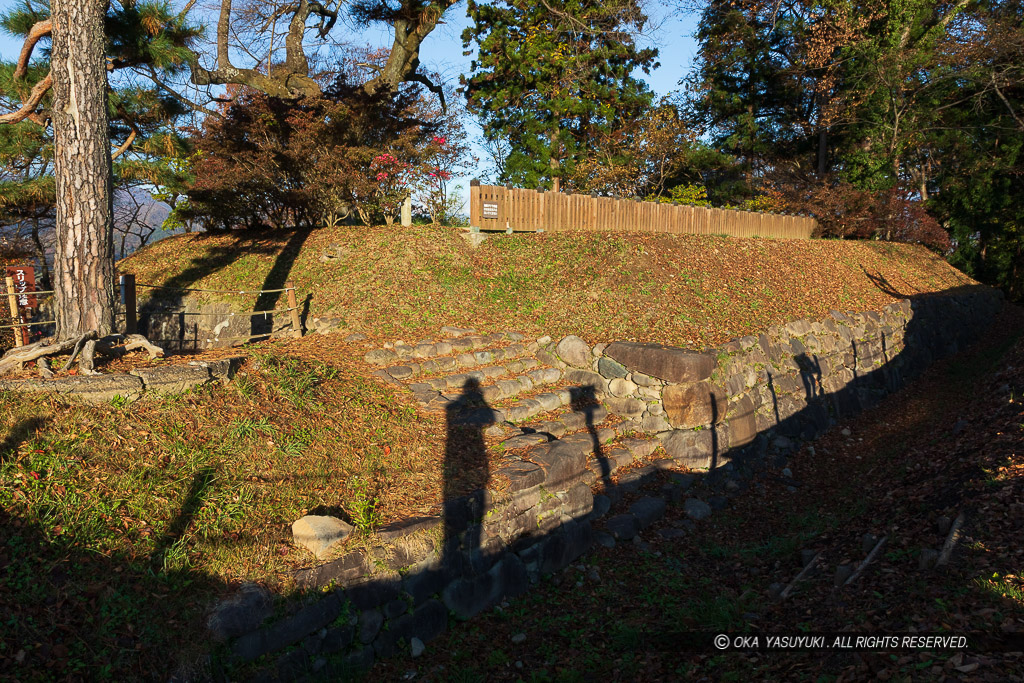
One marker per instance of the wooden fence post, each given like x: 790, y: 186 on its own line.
x: 293, y: 304
x: 475, y: 207
x: 12, y: 299
x: 131, y: 313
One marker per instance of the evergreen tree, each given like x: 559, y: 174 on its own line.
x: 88, y: 41
x: 144, y: 141
x: 552, y: 78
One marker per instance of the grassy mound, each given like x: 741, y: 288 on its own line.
x: 120, y: 525
x: 691, y: 290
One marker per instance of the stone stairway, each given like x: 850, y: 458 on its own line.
x: 528, y: 396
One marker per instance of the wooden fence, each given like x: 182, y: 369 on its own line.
x: 493, y: 207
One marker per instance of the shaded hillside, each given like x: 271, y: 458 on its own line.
x: 687, y: 290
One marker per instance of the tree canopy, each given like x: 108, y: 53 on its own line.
x: 552, y: 79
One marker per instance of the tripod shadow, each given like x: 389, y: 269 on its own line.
x: 584, y: 400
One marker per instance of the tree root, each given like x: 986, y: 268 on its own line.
x: 82, y: 348
x: 107, y: 347
x: 16, y: 357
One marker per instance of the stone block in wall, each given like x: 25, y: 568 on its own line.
x: 577, y: 501
x: 587, y: 379
x: 621, y: 387
x: 735, y: 385
x: 742, y: 422
x: 765, y: 419
x: 548, y: 358
x: 627, y: 408
x: 523, y: 525
x: 643, y: 380
x: 788, y: 406
x: 654, y: 424
x: 697, y: 449
x: 482, y: 556
x: 798, y: 328
x: 424, y: 582
x: 344, y: 570
x: 574, y: 351
x: 653, y: 393
x: 521, y: 475
x: 243, y: 612
x: 426, y: 623
x: 663, y: 362
x: 611, y: 369
x: 563, y: 464
x: 222, y: 369
x: 772, y: 348
x: 694, y: 405
x: 255, y: 644
x: 467, y: 597
x: 564, y: 546
x: 783, y: 384
x: 382, y: 588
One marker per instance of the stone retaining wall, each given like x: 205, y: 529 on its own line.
x: 718, y: 411
x: 191, y: 325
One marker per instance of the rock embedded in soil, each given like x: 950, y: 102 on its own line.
x: 319, y: 533
x: 648, y: 510
x: 622, y: 527
x: 696, y: 509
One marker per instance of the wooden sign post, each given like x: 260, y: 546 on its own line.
x: 21, y: 285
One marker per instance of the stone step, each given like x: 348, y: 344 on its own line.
x: 450, y: 388
x: 619, y: 454
x: 558, y: 427
x: 433, y: 368
x: 488, y: 376
x: 401, y: 353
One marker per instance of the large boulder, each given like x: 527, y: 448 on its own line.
x: 574, y: 351
x: 669, y: 363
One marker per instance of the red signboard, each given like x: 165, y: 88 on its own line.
x: 24, y: 284
x: 24, y: 278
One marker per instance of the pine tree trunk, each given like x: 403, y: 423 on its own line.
x: 84, y: 259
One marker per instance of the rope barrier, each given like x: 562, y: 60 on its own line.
x: 251, y: 336
x: 25, y: 325
x: 217, y: 291
x: 229, y: 315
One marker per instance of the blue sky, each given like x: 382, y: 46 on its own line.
x: 672, y: 34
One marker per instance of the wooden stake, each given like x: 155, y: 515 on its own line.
x: 867, y: 560
x: 12, y: 299
x: 951, y: 539
x: 131, y: 321
x: 792, y: 584
x: 293, y: 304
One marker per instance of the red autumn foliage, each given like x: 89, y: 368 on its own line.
x: 845, y: 211
x: 314, y: 161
